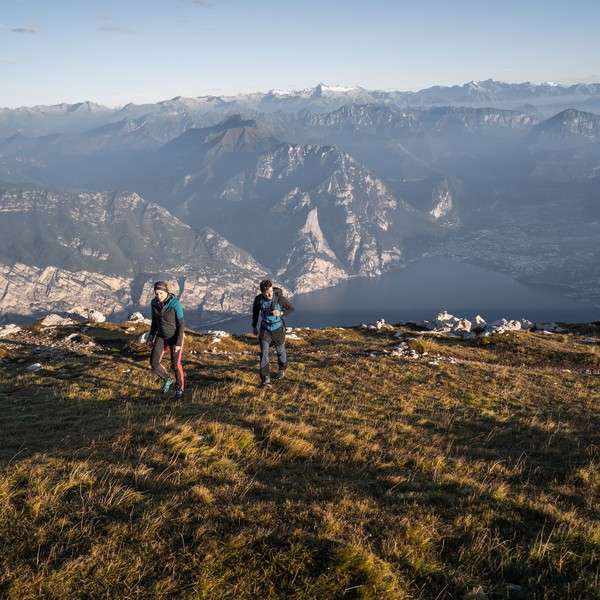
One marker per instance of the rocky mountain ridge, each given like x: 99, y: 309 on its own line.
x: 307, y: 198
x: 544, y: 99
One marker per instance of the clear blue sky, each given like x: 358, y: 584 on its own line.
x: 117, y: 51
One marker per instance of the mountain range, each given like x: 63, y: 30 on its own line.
x: 309, y: 188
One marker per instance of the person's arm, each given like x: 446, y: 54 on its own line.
x: 255, y: 314
x: 179, y: 324
x: 153, y: 326
x: 286, y: 307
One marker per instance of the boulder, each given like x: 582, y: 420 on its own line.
x: 137, y: 317
x: 54, y: 320
x: 478, y: 324
x: 95, y: 316
x: 9, y: 330
x: 144, y: 338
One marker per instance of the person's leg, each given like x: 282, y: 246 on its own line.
x: 176, y: 366
x: 158, y: 350
x: 281, y: 357
x: 279, y: 339
x: 265, y: 340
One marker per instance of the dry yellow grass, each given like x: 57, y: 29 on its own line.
x: 360, y: 475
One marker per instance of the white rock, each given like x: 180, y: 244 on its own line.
x: 95, y: 316
x: 55, y: 320
x: 9, y: 330
x: 137, y: 317
x: 444, y: 316
x: 478, y: 323
x: 499, y: 323
x: 463, y: 326
x: 513, y: 326
x: 34, y: 367
x: 217, y: 333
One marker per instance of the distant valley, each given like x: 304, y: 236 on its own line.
x: 310, y: 189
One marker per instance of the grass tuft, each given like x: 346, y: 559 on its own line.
x: 470, y: 470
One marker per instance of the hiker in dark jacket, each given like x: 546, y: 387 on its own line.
x: 269, y: 307
x: 166, y: 333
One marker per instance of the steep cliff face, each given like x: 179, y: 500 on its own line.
x: 76, y: 252
x: 27, y: 291
x: 296, y: 207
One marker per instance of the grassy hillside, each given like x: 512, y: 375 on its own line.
x: 470, y: 471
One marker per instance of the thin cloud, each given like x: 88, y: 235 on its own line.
x: 32, y: 30
x: 115, y: 29
x: 200, y: 2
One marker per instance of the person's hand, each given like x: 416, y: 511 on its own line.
x: 255, y: 331
x: 276, y: 312
x: 177, y: 348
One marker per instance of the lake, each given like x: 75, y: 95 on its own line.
x: 425, y: 288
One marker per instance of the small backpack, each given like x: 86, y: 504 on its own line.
x: 277, y: 296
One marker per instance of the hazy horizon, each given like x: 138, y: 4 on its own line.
x: 148, y: 51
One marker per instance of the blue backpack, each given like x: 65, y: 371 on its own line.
x: 268, y: 320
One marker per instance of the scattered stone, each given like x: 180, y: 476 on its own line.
x: 137, y: 317
x: 95, y: 316
x: 448, y: 324
x: 9, y: 330
x: 549, y: 327
x: 217, y: 333
x: 526, y: 324
x: 54, y: 320
x: 34, y: 367
x: 514, y: 591
x: 478, y: 324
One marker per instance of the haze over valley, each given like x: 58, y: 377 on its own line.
x: 310, y: 188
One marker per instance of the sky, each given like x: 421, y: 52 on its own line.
x: 113, y: 52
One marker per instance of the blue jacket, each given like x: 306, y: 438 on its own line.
x: 167, y: 320
x: 263, y: 309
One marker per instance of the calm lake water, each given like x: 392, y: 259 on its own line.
x: 424, y: 289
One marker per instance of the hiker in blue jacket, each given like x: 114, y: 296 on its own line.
x: 166, y: 333
x: 269, y: 307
